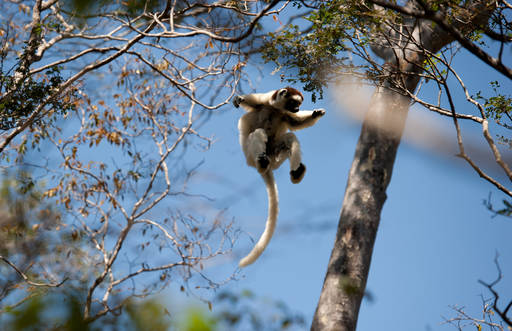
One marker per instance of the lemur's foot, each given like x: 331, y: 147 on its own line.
x: 263, y: 163
x: 318, y: 113
x: 237, y: 100
x: 297, y: 174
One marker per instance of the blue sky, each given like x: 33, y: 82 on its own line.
x: 435, y: 241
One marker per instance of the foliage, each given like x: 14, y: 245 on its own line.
x: 196, y: 319
x: 23, y: 213
x: 63, y: 311
x: 32, y: 236
x: 25, y: 96
x: 129, y: 7
x: 317, y: 55
x: 499, y: 108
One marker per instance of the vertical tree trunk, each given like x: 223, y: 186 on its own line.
x: 371, y: 170
x: 365, y: 195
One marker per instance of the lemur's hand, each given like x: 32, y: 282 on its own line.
x: 318, y: 113
x: 237, y: 100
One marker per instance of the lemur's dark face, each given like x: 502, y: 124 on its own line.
x: 292, y: 97
x: 292, y: 105
x: 288, y: 99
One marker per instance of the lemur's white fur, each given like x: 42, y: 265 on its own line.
x: 286, y: 98
x: 266, y: 143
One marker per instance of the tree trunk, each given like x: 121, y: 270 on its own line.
x: 365, y: 194
x: 371, y: 170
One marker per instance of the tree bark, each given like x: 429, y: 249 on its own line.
x: 371, y: 170
x: 365, y: 195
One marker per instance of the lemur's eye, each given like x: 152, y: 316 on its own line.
x: 282, y: 92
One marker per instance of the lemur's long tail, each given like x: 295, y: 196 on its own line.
x: 273, y: 210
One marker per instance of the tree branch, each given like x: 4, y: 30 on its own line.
x: 25, y: 277
x: 490, y: 287
x: 439, y: 18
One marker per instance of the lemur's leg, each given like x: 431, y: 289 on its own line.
x: 255, y: 150
x: 288, y: 147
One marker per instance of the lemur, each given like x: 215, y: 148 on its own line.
x: 266, y: 143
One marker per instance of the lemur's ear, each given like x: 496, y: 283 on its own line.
x: 283, y: 92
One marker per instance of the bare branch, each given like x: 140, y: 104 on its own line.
x: 490, y: 287
x: 26, y: 278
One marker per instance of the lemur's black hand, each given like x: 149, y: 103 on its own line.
x: 318, y: 113
x: 237, y: 100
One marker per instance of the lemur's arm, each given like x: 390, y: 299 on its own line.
x: 253, y: 101
x: 303, y: 119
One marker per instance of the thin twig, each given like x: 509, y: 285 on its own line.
x: 25, y: 277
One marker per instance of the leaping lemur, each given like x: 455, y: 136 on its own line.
x: 266, y: 143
